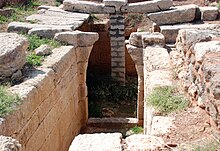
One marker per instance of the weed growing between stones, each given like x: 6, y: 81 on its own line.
x: 137, y: 130
x: 7, y: 101
x: 35, y: 42
x: 166, y: 99
x: 34, y: 60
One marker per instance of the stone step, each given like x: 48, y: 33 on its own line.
x: 97, y: 142
x: 113, y: 122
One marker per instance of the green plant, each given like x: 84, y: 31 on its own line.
x: 35, y: 42
x: 218, y: 5
x: 7, y: 101
x: 3, y: 19
x: 59, y: 2
x: 34, y: 60
x: 137, y: 130
x: 166, y: 99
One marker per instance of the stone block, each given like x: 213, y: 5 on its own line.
x: 97, y: 142
x: 136, y: 54
x: 156, y: 59
x: 157, y: 78
x: 117, y: 4
x: 12, y: 53
x: 47, y: 32
x: 147, y: 6
x: 86, y: 7
x: 37, y: 139
x: 178, y: 14
x: 60, y: 60
x: 78, y: 38
x: 203, y: 48
x: 136, y: 38
x: 209, y: 13
x: 29, y: 129
x: 82, y: 53
x: 153, y: 39
x: 25, y: 27
x: 144, y: 142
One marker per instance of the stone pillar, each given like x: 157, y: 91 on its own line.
x: 117, y: 39
x: 137, y: 56
x: 117, y: 46
x: 83, y: 42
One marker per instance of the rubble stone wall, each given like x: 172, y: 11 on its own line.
x: 54, y: 102
x: 197, y: 66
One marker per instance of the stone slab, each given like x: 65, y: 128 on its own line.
x: 170, y: 32
x: 178, y: 14
x: 58, y: 18
x: 86, y: 7
x: 147, y: 6
x: 77, y: 38
x: 25, y: 27
x: 140, y: 142
x: 97, y: 142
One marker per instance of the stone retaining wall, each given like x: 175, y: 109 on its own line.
x: 197, y: 65
x: 54, y: 102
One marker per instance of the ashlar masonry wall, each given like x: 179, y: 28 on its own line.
x: 54, y: 102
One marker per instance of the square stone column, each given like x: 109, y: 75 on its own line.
x: 117, y: 46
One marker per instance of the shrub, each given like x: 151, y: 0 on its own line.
x: 7, y: 101
x: 166, y: 99
x: 3, y: 19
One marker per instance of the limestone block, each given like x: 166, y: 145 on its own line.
x: 12, y: 53
x: 82, y: 54
x: 37, y: 139
x: 147, y: 6
x: 8, y: 144
x: 86, y: 7
x: 178, y: 14
x: 157, y: 78
x: 144, y: 142
x: 25, y: 27
x: 136, y: 54
x: 203, y: 48
x: 78, y: 38
x: 153, y: 39
x: 58, y: 18
x: 47, y: 32
x: 97, y: 142
x: 43, y: 50
x: 117, y: 4
x: 136, y: 38
x: 187, y: 38
x: 60, y: 60
x: 170, y: 32
x: 209, y: 13
x: 156, y: 58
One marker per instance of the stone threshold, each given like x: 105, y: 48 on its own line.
x: 113, y: 122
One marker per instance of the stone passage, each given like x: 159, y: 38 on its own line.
x: 116, y: 10
x: 117, y: 46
